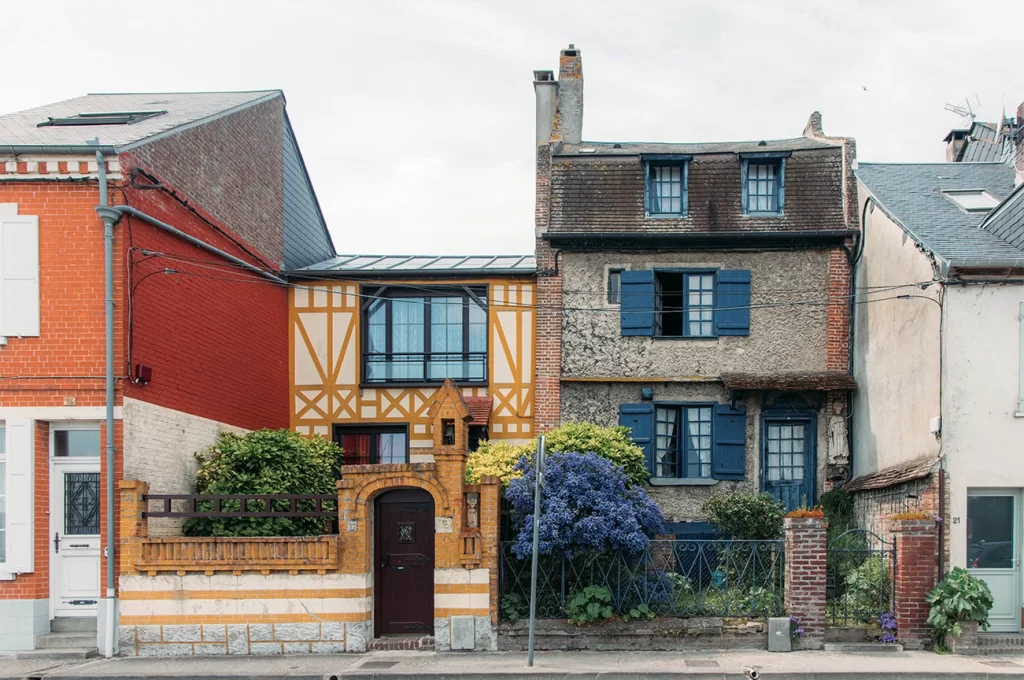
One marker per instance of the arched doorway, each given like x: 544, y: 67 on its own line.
x: 403, y: 585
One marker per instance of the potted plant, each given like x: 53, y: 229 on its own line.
x: 959, y: 607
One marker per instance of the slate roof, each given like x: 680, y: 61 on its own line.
x: 912, y: 194
x: 1007, y: 219
x: 981, y: 146
x: 376, y: 265
x: 640, y: 148
x: 21, y: 129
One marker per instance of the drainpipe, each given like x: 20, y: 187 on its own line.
x: 110, y: 601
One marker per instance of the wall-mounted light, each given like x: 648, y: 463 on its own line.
x: 143, y: 374
x: 646, y: 393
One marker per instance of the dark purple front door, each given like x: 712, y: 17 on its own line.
x: 404, y: 563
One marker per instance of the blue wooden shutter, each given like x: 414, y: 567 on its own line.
x: 732, y: 313
x: 639, y: 418
x: 782, y: 183
x: 729, y: 450
x: 637, y: 306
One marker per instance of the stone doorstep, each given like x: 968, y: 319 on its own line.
x: 424, y: 643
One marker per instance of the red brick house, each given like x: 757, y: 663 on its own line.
x: 210, y: 201
x: 698, y: 293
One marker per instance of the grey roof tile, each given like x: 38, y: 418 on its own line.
x: 981, y: 146
x: 1007, y: 219
x: 912, y: 193
x: 640, y: 148
x: 22, y: 128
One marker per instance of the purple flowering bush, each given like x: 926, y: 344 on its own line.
x: 587, y: 506
x: 887, y: 622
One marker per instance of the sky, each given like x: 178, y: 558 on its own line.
x: 416, y: 119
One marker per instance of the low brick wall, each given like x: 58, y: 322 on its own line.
x: 667, y: 634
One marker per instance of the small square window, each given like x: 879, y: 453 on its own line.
x: 666, y: 189
x: 974, y: 200
x: 614, y: 286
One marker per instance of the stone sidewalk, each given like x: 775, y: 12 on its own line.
x: 549, y: 665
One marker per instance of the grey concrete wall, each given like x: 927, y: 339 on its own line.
x: 159, y: 448
x: 598, y: 402
x: 789, y: 337
x: 896, y: 350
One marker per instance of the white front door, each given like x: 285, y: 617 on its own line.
x: 993, y: 552
x: 75, y: 522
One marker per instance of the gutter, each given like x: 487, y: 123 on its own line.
x: 951, y: 264
x: 52, y: 149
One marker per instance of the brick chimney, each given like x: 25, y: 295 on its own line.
x: 568, y: 123
x: 1018, y: 144
x: 955, y: 141
x: 545, y: 88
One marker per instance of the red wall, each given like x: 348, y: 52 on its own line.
x: 215, y: 335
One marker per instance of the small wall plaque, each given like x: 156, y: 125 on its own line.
x: 443, y: 525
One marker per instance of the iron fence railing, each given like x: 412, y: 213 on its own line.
x: 242, y: 505
x: 673, y: 578
x: 860, y: 577
x: 424, y: 367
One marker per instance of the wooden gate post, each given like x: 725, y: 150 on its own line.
x: 805, y: 577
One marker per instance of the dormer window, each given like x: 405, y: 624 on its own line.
x: 972, y: 200
x: 667, y: 180
x: 101, y: 118
x: 764, y: 180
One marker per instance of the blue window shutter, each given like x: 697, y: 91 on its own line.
x: 782, y: 183
x: 743, y: 183
x: 637, y: 306
x: 729, y: 450
x: 639, y: 418
x: 732, y: 317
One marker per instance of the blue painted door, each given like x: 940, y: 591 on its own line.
x: 788, y: 460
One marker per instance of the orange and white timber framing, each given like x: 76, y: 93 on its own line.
x: 325, y: 350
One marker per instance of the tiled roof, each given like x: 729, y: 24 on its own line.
x: 640, y: 148
x: 1007, y: 219
x: 424, y: 264
x: 890, y: 476
x: 912, y: 194
x: 21, y: 129
x: 981, y: 145
x: 790, y: 380
x: 479, y: 409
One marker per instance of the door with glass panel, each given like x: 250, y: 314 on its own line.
x: 788, y: 460
x: 993, y: 552
x: 75, y: 520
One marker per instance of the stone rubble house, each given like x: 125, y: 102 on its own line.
x: 698, y: 293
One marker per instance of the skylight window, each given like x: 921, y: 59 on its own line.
x: 972, y: 200
x: 101, y: 118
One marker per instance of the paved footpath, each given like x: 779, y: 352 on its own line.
x: 548, y: 665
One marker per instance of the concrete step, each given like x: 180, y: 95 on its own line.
x: 68, y: 624
x: 65, y: 640
x: 861, y: 647
x: 65, y: 654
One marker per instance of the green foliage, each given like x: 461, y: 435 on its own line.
x: 837, y: 505
x: 865, y: 590
x: 589, y: 605
x: 494, y: 459
x: 745, y: 516
x: 265, y: 462
x: 641, y: 611
x: 513, y: 607
x: 960, y: 597
x: 612, y: 443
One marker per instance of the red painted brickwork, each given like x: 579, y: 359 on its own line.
x: 66, y: 361
x: 839, y: 292
x: 214, y: 334
x: 916, y: 574
x: 233, y: 168
x: 547, y: 399
x: 805, y: 577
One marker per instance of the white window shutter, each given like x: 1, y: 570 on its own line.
x: 19, y: 275
x: 20, y: 495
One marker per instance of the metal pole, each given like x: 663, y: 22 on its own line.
x: 110, y: 603
x: 539, y: 482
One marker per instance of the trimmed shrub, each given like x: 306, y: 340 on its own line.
x: 494, y: 459
x: 612, y: 443
x: 745, y: 516
x: 265, y: 462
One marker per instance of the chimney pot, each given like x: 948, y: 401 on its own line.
x: 569, y: 105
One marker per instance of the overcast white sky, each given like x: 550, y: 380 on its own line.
x: 416, y: 118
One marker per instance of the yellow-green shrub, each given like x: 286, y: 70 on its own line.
x: 612, y: 443
x: 494, y: 459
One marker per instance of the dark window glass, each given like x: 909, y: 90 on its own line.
x: 685, y: 304
x: 477, y: 433
x: 76, y: 443
x: 615, y: 286
x: 763, y: 187
x: 990, y: 532
x: 372, y: 445
x: 665, y: 189
x: 683, y: 442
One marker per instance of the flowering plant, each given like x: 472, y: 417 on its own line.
x: 887, y: 622
x: 795, y: 631
x: 586, y: 505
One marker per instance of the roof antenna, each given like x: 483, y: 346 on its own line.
x: 966, y: 110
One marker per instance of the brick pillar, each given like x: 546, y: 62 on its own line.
x: 490, y: 528
x: 548, y: 362
x: 805, y: 577
x: 917, y: 544
x: 132, y: 525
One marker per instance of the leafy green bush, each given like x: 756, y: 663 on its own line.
x: 641, y: 611
x: 960, y: 597
x: 745, y: 516
x: 612, y: 443
x: 514, y: 607
x: 494, y: 459
x: 837, y: 505
x: 866, y: 590
x: 589, y: 605
x: 265, y: 462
